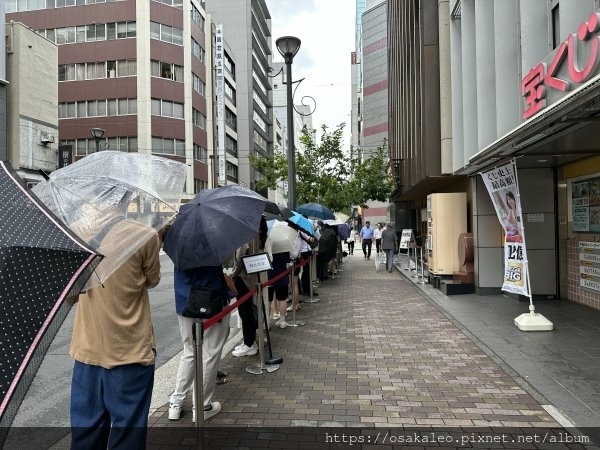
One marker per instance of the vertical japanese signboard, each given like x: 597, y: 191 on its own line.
x: 220, y: 81
x: 501, y: 183
x: 65, y: 155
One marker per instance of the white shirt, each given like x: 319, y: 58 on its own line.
x: 377, y: 232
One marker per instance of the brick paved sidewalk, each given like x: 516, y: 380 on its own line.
x: 374, y: 353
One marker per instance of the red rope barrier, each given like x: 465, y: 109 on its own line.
x: 206, y: 324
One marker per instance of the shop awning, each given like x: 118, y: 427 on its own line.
x: 562, y: 132
x: 441, y: 183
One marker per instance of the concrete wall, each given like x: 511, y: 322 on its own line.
x: 32, y: 100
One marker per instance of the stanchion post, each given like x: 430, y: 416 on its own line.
x: 422, y: 276
x: 416, y: 274
x: 407, y: 257
x: 256, y: 369
x: 198, y: 334
x: 294, y: 322
x: 312, y: 273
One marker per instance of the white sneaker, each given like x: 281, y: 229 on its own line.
x: 174, y: 412
x: 281, y: 324
x: 215, y: 408
x: 246, y: 351
x: 237, y: 347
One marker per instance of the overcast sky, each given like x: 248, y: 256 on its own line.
x: 326, y: 29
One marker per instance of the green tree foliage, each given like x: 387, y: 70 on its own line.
x: 326, y: 174
x: 371, y: 180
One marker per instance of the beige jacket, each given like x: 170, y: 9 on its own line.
x: 113, y: 325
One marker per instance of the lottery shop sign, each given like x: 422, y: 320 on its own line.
x: 574, y: 62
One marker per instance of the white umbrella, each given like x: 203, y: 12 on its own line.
x: 341, y: 216
x: 282, y: 237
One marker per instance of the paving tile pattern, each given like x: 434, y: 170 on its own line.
x: 374, y: 353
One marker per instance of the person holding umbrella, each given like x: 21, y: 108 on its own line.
x: 214, y: 339
x: 114, y: 349
x: 244, y: 283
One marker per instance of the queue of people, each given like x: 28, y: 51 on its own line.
x: 113, y: 340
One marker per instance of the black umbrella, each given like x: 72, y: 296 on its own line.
x: 212, y: 225
x: 42, y: 264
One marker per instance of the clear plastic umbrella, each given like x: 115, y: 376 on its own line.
x: 95, y: 193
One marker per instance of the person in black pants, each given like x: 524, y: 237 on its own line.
x: 327, y: 249
x: 244, y: 283
x: 306, y: 253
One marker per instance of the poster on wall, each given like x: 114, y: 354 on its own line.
x: 589, y: 266
x: 501, y: 183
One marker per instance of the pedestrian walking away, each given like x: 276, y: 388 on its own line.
x: 366, y: 236
x: 377, y: 231
x: 389, y: 245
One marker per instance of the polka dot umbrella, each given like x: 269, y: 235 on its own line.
x: 43, y: 264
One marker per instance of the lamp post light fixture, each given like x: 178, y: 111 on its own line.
x: 288, y: 46
x: 97, y: 134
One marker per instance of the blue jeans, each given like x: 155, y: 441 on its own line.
x: 389, y: 259
x: 109, y: 407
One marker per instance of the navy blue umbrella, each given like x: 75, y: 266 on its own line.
x: 343, y: 231
x: 212, y: 225
x: 315, y: 210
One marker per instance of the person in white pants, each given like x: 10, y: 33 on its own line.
x: 212, y: 346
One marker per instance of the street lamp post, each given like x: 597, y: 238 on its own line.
x: 288, y: 46
x: 97, y: 134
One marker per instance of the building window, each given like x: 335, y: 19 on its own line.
x: 167, y: 146
x: 90, y: 33
x: 198, y: 119
x: 166, y: 33
x: 198, y: 51
x: 259, y: 121
x: 231, y: 145
x: 84, y: 147
x: 166, y: 108
x: 232, y: 171
x: 32, y: 5
x: 230, y: 92
x: 166, y: 70
x: 230, y: 118
x: 229, y: 65
x: 199, y: 86
x: 197, y: 17
x: 260, y: 140
x: 200, y: 153
x: 96, y: 70
x: 175, y: 3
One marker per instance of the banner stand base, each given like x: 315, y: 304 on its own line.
x: 257, y: 369
x: 532, y: 321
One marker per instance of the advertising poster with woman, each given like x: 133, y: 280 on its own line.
x: 501, y: 183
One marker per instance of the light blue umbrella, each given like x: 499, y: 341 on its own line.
x: 301, y: 223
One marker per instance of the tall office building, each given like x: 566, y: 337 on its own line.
x: 247, y: 25
x: 139, y: 70
x: 375, y: 81
x: 356, y: 80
